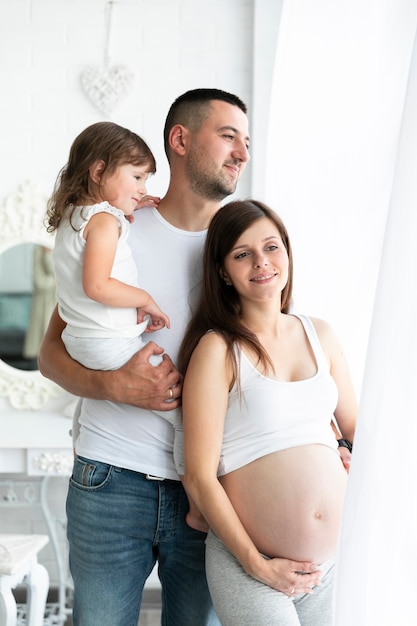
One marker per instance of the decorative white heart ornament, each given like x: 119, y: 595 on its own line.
x: 107, y: 87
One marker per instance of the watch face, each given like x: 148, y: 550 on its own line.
x: 344, y: 443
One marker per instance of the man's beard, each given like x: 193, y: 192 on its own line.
x: 204, y: 180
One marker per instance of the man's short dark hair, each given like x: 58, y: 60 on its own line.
x: 191, y: 108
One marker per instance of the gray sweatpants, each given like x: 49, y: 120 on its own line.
x: 240, y: 600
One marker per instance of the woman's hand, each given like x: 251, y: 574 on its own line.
x: 289, y: 577
x: 345, y: 457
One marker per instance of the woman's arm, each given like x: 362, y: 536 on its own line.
x: 205, y: 398
x: 138, y: 382
x: 347, y: 405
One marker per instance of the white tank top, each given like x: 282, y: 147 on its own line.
x: 84, y: 316
x: 271, y: 415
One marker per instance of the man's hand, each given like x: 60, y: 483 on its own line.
x: 147, y: 386
x: 138, y: 382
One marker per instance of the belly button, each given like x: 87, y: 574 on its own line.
x: 318, y: 515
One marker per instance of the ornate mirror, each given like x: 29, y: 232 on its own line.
x: 26, y: 297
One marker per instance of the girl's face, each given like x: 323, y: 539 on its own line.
x: 257, y: 265
x: 125, y: 187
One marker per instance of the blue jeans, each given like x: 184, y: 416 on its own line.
x: 119, y: 525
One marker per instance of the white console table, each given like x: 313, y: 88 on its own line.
x: 36, y: 448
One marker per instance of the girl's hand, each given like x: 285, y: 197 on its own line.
x: 148, y: 201
x: 158, y: 319
x: 144, y: 202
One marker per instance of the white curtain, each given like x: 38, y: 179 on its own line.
x: 338, y: 91
x: 342, y: 172
x: 376, y: 581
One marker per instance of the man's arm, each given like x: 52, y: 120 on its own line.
x: 138, y: 382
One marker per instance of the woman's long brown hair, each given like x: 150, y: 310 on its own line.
x: 219, y: 306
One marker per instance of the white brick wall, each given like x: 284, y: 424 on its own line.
x: 171, y: 45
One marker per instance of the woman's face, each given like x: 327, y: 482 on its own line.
x: 257, y: 265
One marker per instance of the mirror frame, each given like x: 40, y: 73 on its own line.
x: 22, y: 216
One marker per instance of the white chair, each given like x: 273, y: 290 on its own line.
x: 19, y: 565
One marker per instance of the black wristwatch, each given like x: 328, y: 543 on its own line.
x: 344, y: 443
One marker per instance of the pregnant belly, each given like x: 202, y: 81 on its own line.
x: 291, y: 501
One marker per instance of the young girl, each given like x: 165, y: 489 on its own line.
x: 261, y: 389
x: 94, y: 198
x: 93, y: 201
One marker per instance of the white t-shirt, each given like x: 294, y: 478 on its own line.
x: 169, y: 263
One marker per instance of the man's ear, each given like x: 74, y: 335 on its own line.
x: 178, y: 138
x: 96, y: 170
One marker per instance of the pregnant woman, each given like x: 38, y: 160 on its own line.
x: 262, y: 389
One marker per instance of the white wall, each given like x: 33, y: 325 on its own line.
x: 171, y: 46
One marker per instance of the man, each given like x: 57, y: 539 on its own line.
x: 121, y: 521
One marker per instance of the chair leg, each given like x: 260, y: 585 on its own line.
x: 8, y: 612
x: 37, y: 582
